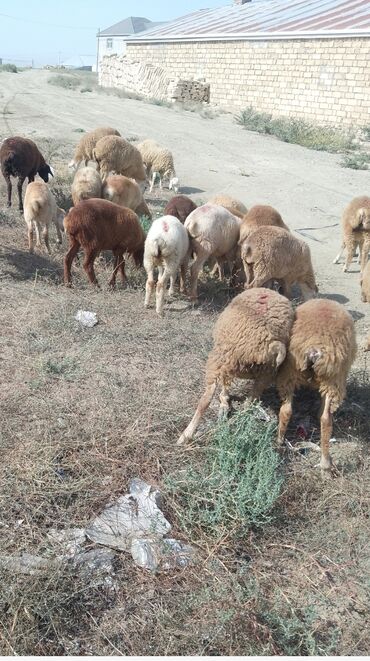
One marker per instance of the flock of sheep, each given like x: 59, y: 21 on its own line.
x: 259, y: 336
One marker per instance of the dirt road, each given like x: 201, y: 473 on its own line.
x: 309, y: 188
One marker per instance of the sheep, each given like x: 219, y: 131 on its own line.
x: 166, y: 247
x: 259, y: 216
x: 230, y: 203
x: 84, y: 149
x: 367, y: 343
x: 365, y: 284
x: 158, y: 162
x: 97, y: 225
x: 251, y: 338
x: 40, y: 209
x: 179, y: 206
x: 114, y: 154
x: 20, y: 157
x: 321, y: 351
x: 214, y: 232
x: 125, y: 192
x: 272, y: 253
x: 86, y: 184
x: 356, y: 231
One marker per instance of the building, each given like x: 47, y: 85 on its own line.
x: 112, y: 40
x: 309, y: 59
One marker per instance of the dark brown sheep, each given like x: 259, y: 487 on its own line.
x: 179, y: 206
x: 20, y: 157
x: 96, y: 225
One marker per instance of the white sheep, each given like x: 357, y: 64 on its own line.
x: 86, y: 184
x: 159, y: 163
x: 40, y: 209
x: 214, y: 232
x: 167, y: 248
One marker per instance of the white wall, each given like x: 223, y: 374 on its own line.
x: 118, y: 47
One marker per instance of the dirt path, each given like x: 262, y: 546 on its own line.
x: 309, y: 188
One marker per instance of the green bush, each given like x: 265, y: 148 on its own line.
x: 145, y: 223
x: 66, y: 81
x: 9, y: 67
x: 358, y: 161
x: 237, y: 483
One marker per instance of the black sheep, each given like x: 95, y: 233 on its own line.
x: 20, y: 157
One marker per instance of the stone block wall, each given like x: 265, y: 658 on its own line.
x: 149, y: 80
x: 326, y: 81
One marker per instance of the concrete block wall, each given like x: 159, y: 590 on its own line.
x: 325, y: 81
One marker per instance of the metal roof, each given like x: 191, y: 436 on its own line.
x: 130, y: 25
x: 267, y: 19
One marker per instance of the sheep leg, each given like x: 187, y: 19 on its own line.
x: 59, y: 234
x: 203, y: 405
x: 171, y: 290
x: 326, y: 424
x: 154, y: 174
x: 161, y: 287
x: 183, y: 269
x: 89, y: 265
x: 30, y: 237
x: 307, y: 291
x: 285, y: 414
x: 9, y: 188
x: 19, y: 187
x: 45, y: 236
x: 364, y: 254
x: 121, y: 266
x: 71, y: 254
x: 149, y: 287
x: 196, y: 267
x: 224, y: 402
x: 351, y: 249
x: 339, y: 255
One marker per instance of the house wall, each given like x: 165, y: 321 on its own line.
x: 118, y: 47
x: 320, y: 80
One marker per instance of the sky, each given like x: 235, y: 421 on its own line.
x: 51, y: 32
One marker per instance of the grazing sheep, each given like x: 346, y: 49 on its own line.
x: 365, y: 284
x: 259, y: 216
x: 321, y: 351
x: 356, y: 231
x: 84, y: 149
x: 251, y: 338
x: 86, y: 184
x: 230, y: 203
x: 214, y: 232
x: 20, y: 157
x: 166, y: 247
x: 125, y: 192
x: 116, y: 155
x: 179, y: 206
x: 97, y: 225
x: 158, y: 162
x: 272, y: 253
x: 40, y: 209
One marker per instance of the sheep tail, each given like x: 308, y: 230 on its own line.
x: 278, y: 353
x: 312, y: 355
x: 156, y: 248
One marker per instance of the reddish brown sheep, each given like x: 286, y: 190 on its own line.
x: 20, y: 157
x: 97, y: 225
x: 179, y: 206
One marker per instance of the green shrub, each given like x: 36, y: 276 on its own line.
x: 237, y: 482
x: 357, y: 161
x: 145, y: 223
x: 64, y: 80
x: 11, y: 68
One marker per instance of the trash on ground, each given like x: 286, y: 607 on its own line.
x: 26, y: 563
x: 161, y: 554
x: 86, y: 318
x: 68, y: 541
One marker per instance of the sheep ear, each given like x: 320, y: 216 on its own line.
x: 52, y: 171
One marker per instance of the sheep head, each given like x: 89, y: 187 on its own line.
x: 44, y: 171
x: 174, y: 184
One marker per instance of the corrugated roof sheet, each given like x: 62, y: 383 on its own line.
x: 130, y: 25
x: 268, y: 19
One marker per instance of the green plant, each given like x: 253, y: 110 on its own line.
x: 237, y: 482
x: 11, y: 68
x: 145, y: 223
x: 64, y: 80
x: 85, y: 89
x: 357, y: 161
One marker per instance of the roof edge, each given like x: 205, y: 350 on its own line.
x: 253, y: 36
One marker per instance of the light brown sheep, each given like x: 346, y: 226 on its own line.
x: 97, y: 225
x: 84, y: 149
x: 251, y: 337
x: 356, y: 231
x: 86, y: 184
x: 40, y: 209
x: 259, y: 216
x: 272, y: 253
x: 367, y: 344
x: 126, y: 193
x: 159, y: 163
x: 116, y: 155
x: 365, y: 284
x: 321, y: 351
x: 230, y: 203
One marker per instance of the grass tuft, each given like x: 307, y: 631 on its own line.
x: 11, y: 68
x: 64, y: 80
x: 357, y: 161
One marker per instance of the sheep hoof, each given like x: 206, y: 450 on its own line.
x: 328, y: 469
x: 183, y: 438
x: 345, y: 270
x: 223, y: 414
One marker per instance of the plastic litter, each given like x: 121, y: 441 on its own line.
x: 86, y: 318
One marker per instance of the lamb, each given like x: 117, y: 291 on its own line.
x: 20, y: 157
x: 116, y: 155
x: 159, y: 163
x: 321, y: 351
x: 214, y: 232
x: 179, y: 206
x: 272, y: 253
x: 356, y: 231
x: 230, y: 203
x: 86, y: 184
x: 40, y: 209
x: 97, y: 225
x: 259, y: 216
x: 166, y: 247
x: 125, y: 192
x: 365, y: 284
x: 84, y: 149
x: 251, y: 338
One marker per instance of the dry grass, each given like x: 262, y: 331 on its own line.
x: 83, y: 411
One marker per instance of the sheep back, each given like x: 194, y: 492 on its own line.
x: 214, y: 228
x: 276, y: 253
x: 258, y: 216
x: 230, y: 203
x: 86, y: 184
x: 20, y: 157
x: 115, y: 154
x: 166, y: 238
x: 39, y: 203
x: 85, y: 147
x: 180, y: 206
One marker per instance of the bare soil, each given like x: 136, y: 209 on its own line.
x: 84, y: 410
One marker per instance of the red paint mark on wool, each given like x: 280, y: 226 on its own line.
x: 165, y: 226
x: 262, y: 304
